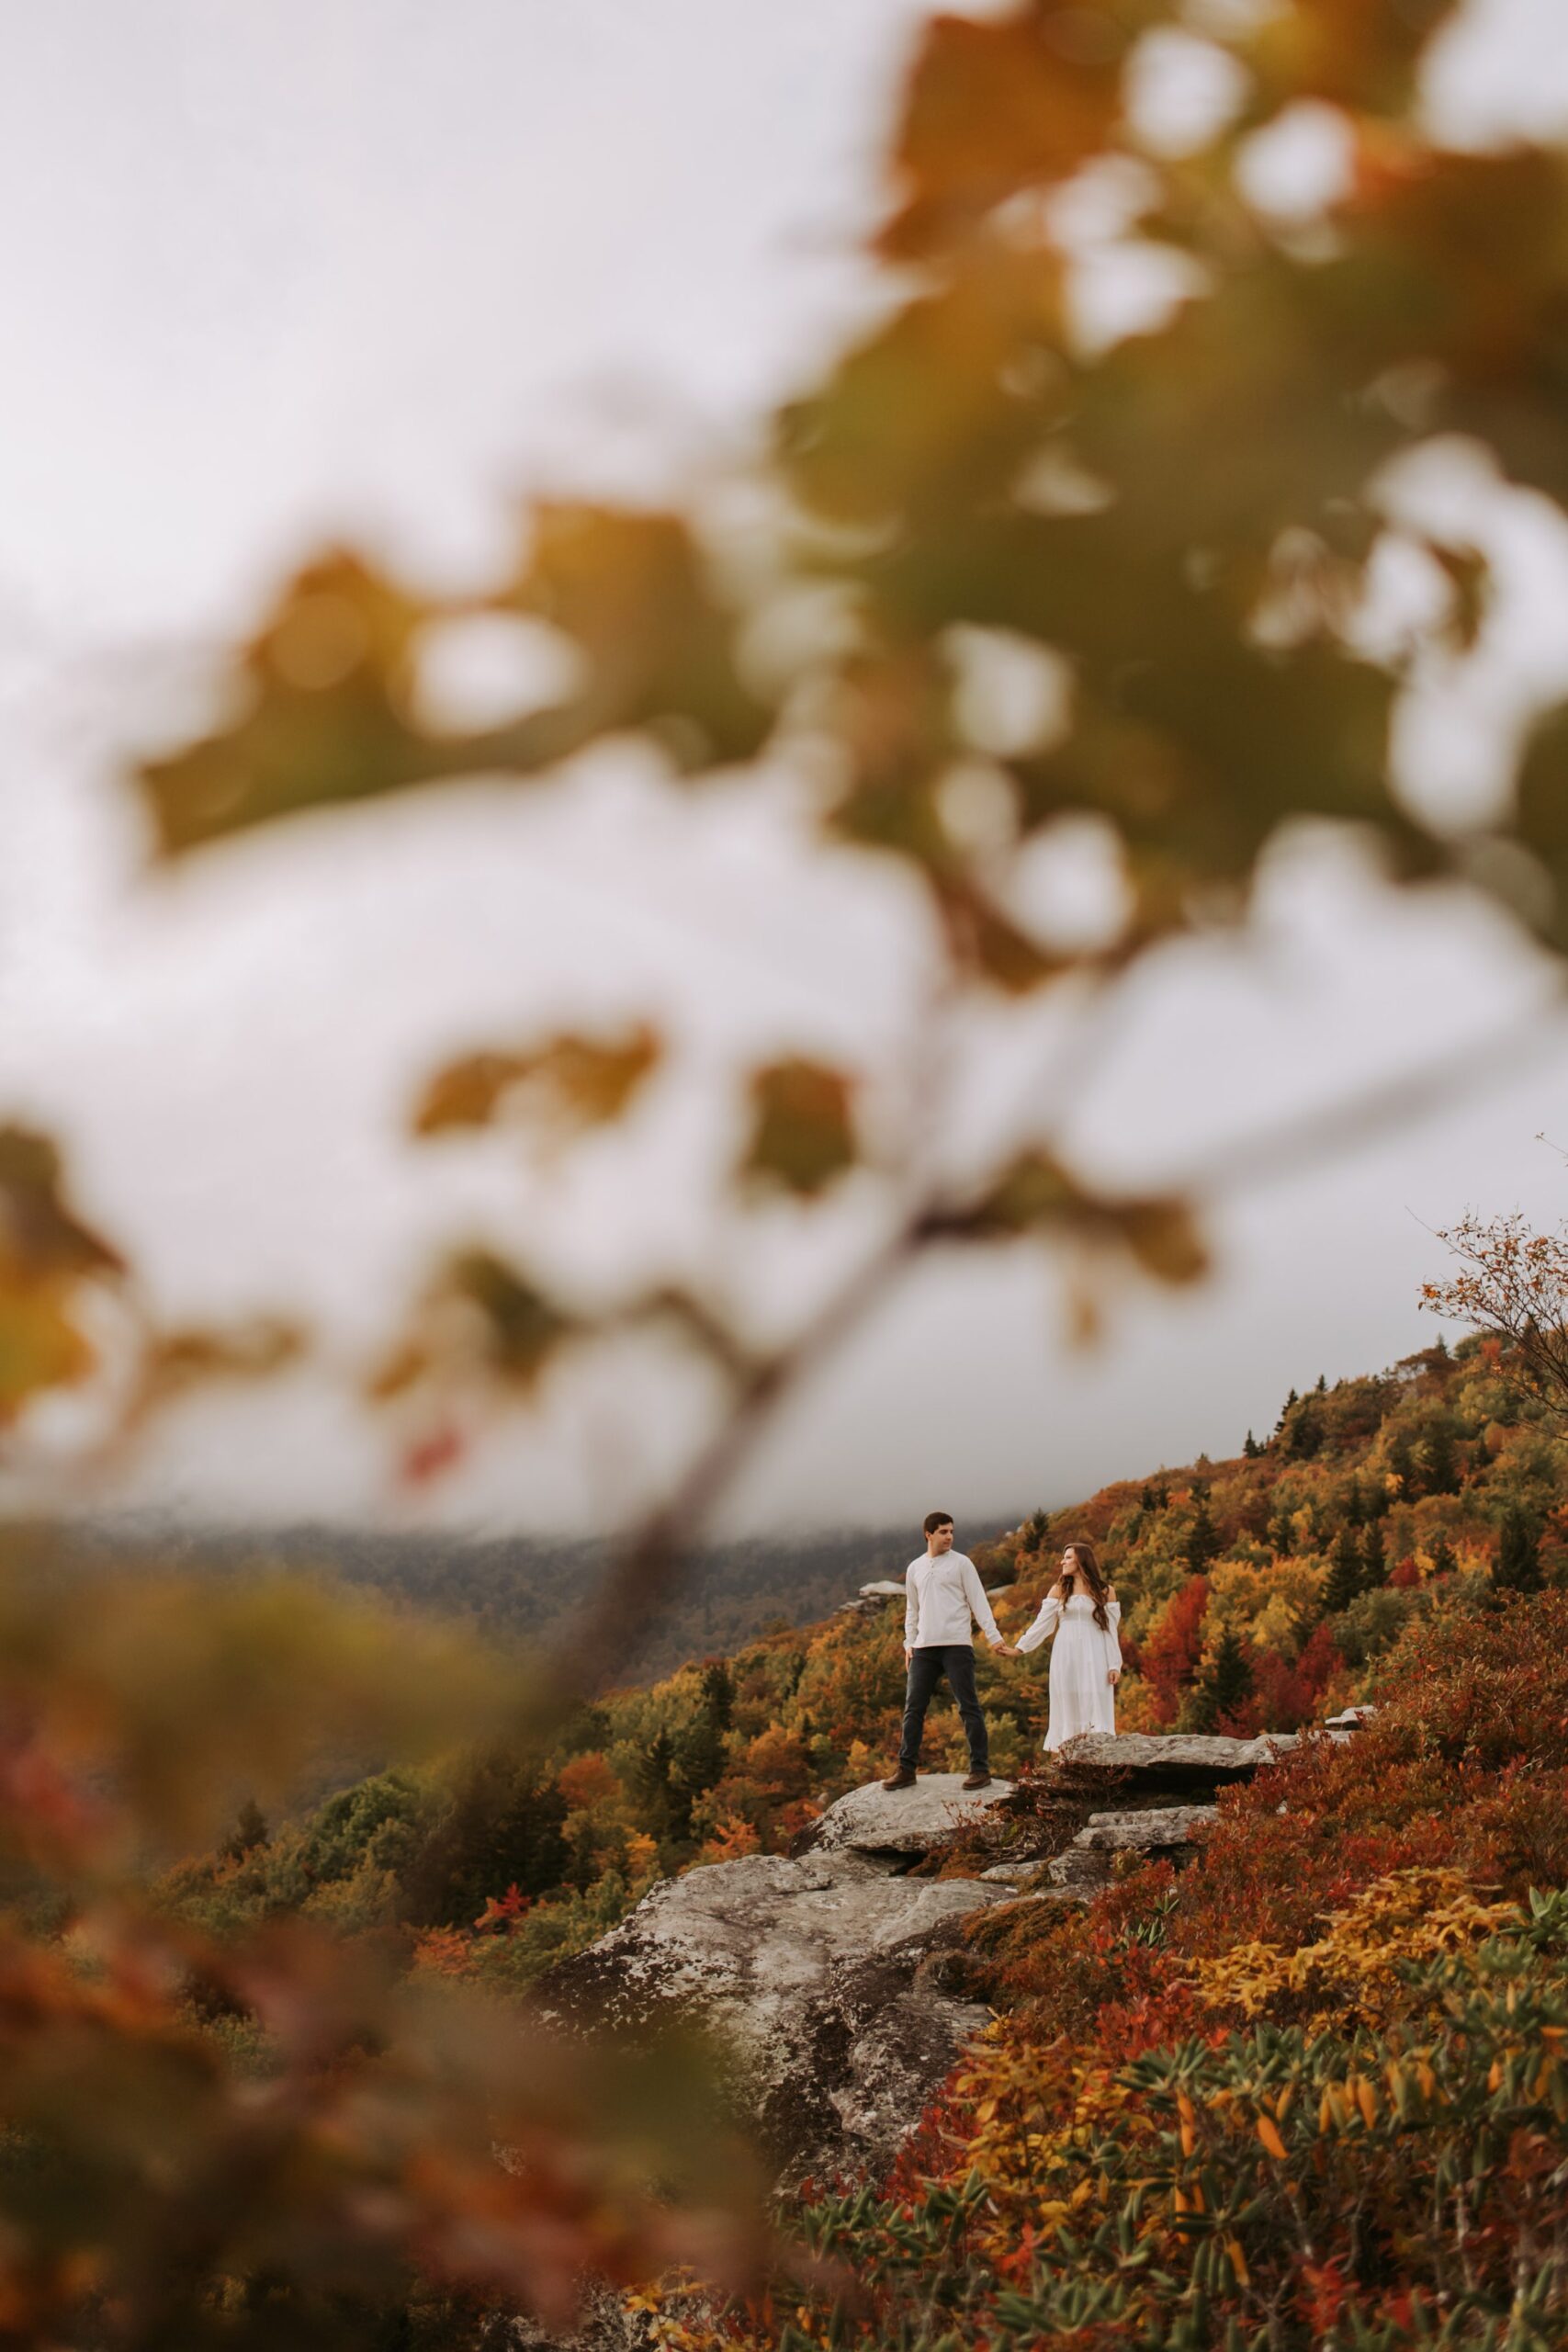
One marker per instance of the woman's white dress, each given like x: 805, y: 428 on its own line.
x: 1082, y: 1696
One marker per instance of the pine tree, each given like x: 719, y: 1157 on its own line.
x: 1445, y: 1559
x: 1281, y: 1533
x: 718, y: 1692
x: 1225, y: 1684
x: 1305, y: 1433
x: 1375, y: 1561
x: 1441, y: 1468
x: 1285, y: 1410
x: 1343, y: 1581
x: 1517, y: 1567
x: 250, y: 1831
x: 697, y: 1757
x: 1355, y: 1505
x: 1204, y: 1542
x: 1323, y: 1383
x: 1402, y: 1462
x: 1251, y: 1449
x: 502, y: 1826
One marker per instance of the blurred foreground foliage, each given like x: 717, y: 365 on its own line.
x: 999, y: 590
x: 997, y: 587
x: 271, y: 2134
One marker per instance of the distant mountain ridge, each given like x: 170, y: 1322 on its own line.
x: 525, y: 1587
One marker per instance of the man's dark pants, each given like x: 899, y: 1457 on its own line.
x: 956, y: 1660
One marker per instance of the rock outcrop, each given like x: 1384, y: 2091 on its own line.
x: 1172, y: 1763
x: 1163, y: 1833
x: 819, y: 1972
x: 823, y: 1972
x: 901, y: 1821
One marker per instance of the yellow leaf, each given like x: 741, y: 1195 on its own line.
x: 570, y: 1083
x: 1269, y: 2134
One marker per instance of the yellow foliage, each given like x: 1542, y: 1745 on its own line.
x: 1269, y: 1603
x: 1352, y: 1975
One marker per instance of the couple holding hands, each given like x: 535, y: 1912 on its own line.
x: 943, y: 1594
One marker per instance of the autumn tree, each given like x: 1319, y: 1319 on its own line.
x: 1511, y: 1282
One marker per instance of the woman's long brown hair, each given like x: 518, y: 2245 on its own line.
x: 1094, y: 1577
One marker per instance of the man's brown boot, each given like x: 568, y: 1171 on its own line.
x: 977, y: 1781
x: 902, y: 1779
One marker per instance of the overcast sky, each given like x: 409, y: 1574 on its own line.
x: 277, y: 272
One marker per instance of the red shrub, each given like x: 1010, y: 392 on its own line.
x: 1168, y: 1657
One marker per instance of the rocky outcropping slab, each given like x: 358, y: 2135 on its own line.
x: 1146, y: 1832
x: 902, y: 1822
x: 1091, y: 1861
x: 819, y: 1973
x: 1177, y: 1762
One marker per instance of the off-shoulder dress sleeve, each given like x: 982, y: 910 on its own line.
x: 1043, y: 1625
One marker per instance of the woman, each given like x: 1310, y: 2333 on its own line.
x: 1083, y: 1612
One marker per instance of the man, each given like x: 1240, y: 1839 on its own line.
x: 942, y: 1594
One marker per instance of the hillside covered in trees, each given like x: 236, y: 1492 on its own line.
x: 1259, y: 1593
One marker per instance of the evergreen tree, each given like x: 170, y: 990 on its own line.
x: 1355, y: 1505
x: 1281, y: 1533
x: 1375, y: 1561
x: 1251, y: 1449
x: 1343, y: 1581
x: 1204, y: 1542
x: 1304, y: 1431
x: 250, y: 1831
x: 1323, y: 1383
x: 1517, y: 1567
x: 502, y: 1826
x: 1480, y: 1462
x: 1402, y: 1462
x: 1285, y: 1410
x: 1445, y: 1559
x: 1440, y: 1466
x: 697, y: 1757
x: 1225, y: 1685
x: 718, y: 1692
